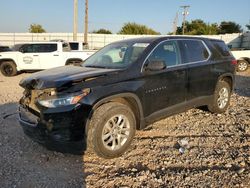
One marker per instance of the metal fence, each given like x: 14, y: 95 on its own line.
x: 97, y: 41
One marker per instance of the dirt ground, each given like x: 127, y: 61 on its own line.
x: 192, y: 149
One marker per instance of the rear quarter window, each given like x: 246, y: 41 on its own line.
x: 74, y: 46
x: 194, y: 51
x: 222, y: 48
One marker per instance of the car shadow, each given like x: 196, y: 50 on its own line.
x: 25, y: 163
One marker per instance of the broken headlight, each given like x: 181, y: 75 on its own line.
x: 64, y: 100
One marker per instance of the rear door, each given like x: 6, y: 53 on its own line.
x: 196, y: 56
x: 50, y: 56
x: 165, y: 88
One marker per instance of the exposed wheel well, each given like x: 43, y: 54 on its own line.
x: 128, y: 101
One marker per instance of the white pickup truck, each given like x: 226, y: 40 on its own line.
x: 243, y: 58
x: 39, y: 56
x: 76, y: 46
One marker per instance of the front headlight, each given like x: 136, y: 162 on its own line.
x: 63, y: 101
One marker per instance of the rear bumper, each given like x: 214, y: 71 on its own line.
x: 62, y: 132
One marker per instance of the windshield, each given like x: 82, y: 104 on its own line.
x: 116, y: 56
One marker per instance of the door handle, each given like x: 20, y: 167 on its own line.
x: 35, y: 55
x: 56, y: 55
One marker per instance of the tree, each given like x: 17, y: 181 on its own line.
x: 103, y: 31
x: 36, y: 28
x: 229, y: 27
x: 137, y: 29
x: 199, y: 27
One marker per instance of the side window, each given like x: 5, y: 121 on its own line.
x: 38, y: 48
x: 30, y: 48
x: 166, y: 51
x: 221, y: 47
x: 47, y: 48
x: 194, y: 51
x: 74, y: 45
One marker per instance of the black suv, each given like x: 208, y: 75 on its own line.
x: 123, y: 87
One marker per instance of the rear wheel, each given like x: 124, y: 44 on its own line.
x: 8, y: 68
x: 242, y: 65
x: 111, y: 130
x: 221, y: 98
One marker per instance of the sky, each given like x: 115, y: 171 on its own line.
x: 57, y: 15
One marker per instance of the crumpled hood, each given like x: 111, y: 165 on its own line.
x: 60, y: 76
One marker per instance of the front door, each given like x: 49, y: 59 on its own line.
x: 164, y: 88
x: 29, y: 57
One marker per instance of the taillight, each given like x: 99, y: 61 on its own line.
x: 234, y: 62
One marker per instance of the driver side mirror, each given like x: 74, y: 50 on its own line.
x: 155, y: 65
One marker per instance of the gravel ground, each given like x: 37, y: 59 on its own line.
x: 192, y: 149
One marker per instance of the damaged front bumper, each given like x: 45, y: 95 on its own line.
x: 61, y: 129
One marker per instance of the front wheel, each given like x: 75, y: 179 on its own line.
x: 242, y: 65
x: 221, y: 98
x: 111, y: 130
x: 8, y: 68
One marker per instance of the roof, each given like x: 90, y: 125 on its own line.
x: 160, y: 38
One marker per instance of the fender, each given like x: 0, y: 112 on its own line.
x: 122, y: 95
x: 245, y: 59
x: 230, y: 75
x: 9, y: 59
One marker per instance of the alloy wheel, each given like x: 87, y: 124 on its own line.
x: 116, y: 132
x: 242, y: 66
x: 223, y: 98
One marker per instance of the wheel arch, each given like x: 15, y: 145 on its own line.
x: 7, y: 59
x: 229, y: 78
x: 247, y: 59
x: 129, y: 99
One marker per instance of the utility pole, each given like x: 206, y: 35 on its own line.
x: 75, y: 20
x: 175, y: 23
x: 184, y: 13
x: 86, y: 21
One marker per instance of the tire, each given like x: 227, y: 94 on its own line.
x: 242, y: 65
x: 221, y: 98
x: 108, y: 123
x: 8, y: 68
